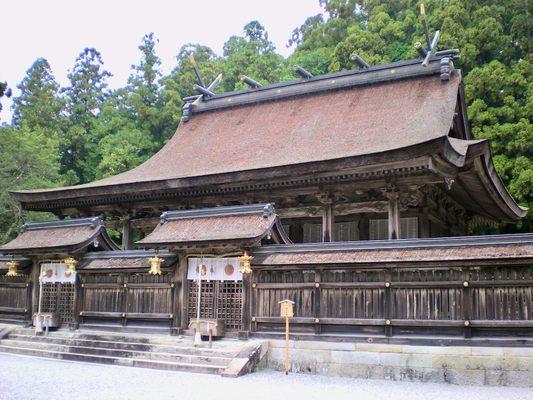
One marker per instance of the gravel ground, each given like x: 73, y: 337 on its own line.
x: 33, y: 378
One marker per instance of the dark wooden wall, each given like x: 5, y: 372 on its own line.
x: 396, y: 300
x: 125, y: 296
x: 15, y: 297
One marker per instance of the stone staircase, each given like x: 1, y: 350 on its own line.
x: 226, y: 357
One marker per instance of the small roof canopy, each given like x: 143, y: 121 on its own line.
x: 234, y: 226
x: 131, y: 260
x: 67, y: 236
x: 495, y: 247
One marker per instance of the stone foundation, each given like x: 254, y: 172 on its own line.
x: 459, y: 365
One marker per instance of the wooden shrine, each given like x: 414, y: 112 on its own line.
x: 350, y: 194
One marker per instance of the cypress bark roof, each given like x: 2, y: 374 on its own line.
x: 324, y: 126
x: 59, y: 236
x: 245, y: 225
x: 360, y: 116
x: 496, y: 247
x: 123, y: 260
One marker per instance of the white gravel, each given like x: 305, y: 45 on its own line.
x: 33, y: 378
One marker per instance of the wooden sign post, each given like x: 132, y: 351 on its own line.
x: 286, y: 311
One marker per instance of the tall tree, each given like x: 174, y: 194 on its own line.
x: 29, y: 159
x: 85, y: 98
x: 4, y: 91
x: 144, y: 100
x: 39, y: 104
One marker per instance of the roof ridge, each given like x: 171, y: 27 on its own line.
x: 265, y: 209
x: 439, y: 65
x: 91, y: 221
x: 395, y: 244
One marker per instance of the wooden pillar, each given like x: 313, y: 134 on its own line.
x: 394, y: 213
x: 29, y: 295
x: 247, y: 306
x: 78, y: 301
x: 176, y: 286
x: 318, y: 280
x: 182, y: 300
x: 126, y: 234
x: 34, y: 280
x: 328, y: 223
x: 124, y: 305
x: 467, y: 304
x: 387, y: 302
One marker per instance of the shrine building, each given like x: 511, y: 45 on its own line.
x: 351, y: 194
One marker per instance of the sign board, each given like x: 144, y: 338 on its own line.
x: 286, y: 308
x: 56, y: 272
x: 217, y: 269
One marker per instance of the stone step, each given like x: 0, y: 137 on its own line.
x: 115, y: 360
x: 232, y: 345
x: 139, y: 329
x: 150, y: 355
x: 75, y: 340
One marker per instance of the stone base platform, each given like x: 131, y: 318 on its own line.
x: 227, y: 357
x: 460, y: 365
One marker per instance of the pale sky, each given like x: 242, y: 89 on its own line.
x: 59, y: 29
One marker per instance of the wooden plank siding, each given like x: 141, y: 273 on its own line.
x: 126, y: 296
x: 15, y: 297
x: 397, y: 300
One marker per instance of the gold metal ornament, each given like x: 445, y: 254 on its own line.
x: 245, y: 263
x: 12, y: 268
x: 71, y: 265
x: 155, y: 265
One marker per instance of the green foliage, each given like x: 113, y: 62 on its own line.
x: 29, y: 160
x: 39, y: 104
x: 252, y: 55
x: 85, y: 98
x: 123, y: 151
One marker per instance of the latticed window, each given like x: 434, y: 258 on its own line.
x: 312, y: 233
x: 218, y: 299
x: 346, y: 231
x: 379, y: 228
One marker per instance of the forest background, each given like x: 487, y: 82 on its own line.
x: 85, y: 131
